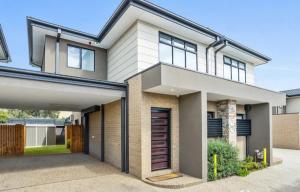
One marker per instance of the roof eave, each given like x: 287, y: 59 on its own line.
x: 31, y: 21
x: 4, y: 47
x: 145, y: 4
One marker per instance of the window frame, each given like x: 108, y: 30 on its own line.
x: 236, y: 67
x: 185, y: 44
x: 80, y: 58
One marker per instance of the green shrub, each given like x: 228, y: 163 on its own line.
x: 242, y: 172
x: 249, y: 165
x: 227, y: 159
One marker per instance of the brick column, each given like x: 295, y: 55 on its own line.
x: 227, y: 111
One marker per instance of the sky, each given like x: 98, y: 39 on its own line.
x: 269, y: 26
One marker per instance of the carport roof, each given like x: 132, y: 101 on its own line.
x: 24, y: 89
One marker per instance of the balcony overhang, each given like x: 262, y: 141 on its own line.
x: 172, y: 80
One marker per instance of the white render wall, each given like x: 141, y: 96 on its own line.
x: 293, y: 105
x: 122, y: 57
x: 138, y: 49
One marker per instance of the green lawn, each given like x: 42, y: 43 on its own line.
x: 55, y: 149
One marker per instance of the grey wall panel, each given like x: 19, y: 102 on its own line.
x: 193, y: 134
x: 51, y: 136
x: 261, y: 127
x: 41, y: 136
x: 30, y: 136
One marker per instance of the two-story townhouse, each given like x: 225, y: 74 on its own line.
x: 4, y: 53
x: 152, y: 88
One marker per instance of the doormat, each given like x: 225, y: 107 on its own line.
x: 164, y: 177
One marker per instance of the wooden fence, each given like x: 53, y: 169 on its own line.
x: 75, y: 136
x: 12, y: 140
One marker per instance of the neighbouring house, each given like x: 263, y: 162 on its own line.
x: 42, y: 131
x: 150, y: 89
x: 286, y: 121
x: 4, y: 53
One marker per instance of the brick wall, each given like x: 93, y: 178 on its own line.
x: 112, y: 133
x: 140, y: 104
x: 286, y: 133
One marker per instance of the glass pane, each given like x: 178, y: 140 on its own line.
x: 191, y: 47
x: 242, y: 75
x: 178, y: 57
x: 227, y: 71
x: 165, y: 53
x: 242, y: 65
x: 73, y: 57
x: 178, y: 43
x: 227, y: 60
x: 235, y: 74
x: 87, y: 60
x: 191, y: 61
x: 165, y: 38
x: 234, y: 63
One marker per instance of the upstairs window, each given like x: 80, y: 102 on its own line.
x: 234, y: 70
x: 177, y: 51
x: 81, y: 58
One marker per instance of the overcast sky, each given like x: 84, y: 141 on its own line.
x: 271, y: 27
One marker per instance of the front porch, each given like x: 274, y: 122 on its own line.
x: 188, y: 96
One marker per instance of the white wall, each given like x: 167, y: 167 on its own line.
x: 138, y: 49
x: 122, y: 57
x: 293, y: 105
x: 148, y: 46
x: 220, y: 69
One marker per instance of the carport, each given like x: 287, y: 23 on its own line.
x: 24, y: 89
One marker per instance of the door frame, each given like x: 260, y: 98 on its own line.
x: 169, y: 143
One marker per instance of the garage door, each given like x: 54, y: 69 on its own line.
x: 160, y: 139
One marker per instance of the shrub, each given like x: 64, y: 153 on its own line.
x: 242, y: 172
x: 227, y: 159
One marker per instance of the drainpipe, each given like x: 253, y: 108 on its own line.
x: 206, y: 51
x: 219, y: 49
x: 57, y: 51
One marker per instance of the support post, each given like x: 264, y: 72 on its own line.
x: 102, y: 132
x: 123, y: 135
x: 86, y: 133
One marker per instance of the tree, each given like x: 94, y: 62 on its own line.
x: 3, y: 116
x: 19, y: 113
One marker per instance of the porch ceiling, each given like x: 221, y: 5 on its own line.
x: 172, y: 80
x: 35, y: 90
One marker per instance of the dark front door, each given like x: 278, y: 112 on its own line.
x: 160, y: 139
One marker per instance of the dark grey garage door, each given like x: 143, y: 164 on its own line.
x: 160, y: 139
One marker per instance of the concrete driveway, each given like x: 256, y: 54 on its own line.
x: 78, y: 172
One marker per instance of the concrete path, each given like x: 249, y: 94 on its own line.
x: 78, y: 172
